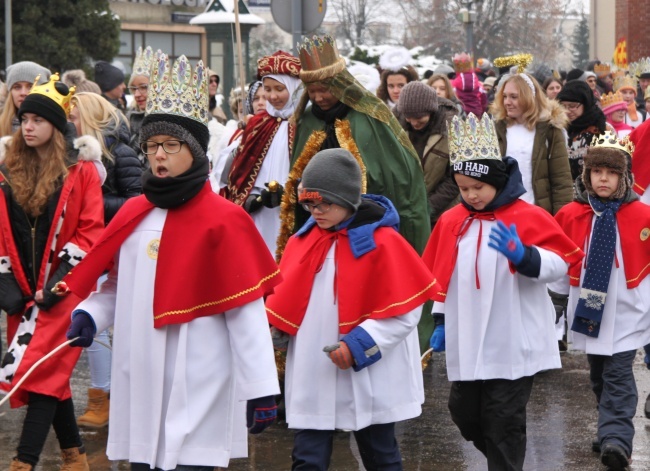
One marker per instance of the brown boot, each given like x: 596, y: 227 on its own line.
x: 97, y: 411
x: 19, y: 466
x: 74, y: 459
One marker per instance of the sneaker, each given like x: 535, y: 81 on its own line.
x: 614, y: 457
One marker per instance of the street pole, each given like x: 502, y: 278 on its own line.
x: 296, y: 24
x: 8, y: 43
x: 469, y: 26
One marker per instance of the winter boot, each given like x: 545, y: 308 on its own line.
x: 97, y: 411
x: 74, y: 459
x: 19, y: 466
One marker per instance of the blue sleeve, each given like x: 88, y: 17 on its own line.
x: 531, y: 264
x: 363, y: 348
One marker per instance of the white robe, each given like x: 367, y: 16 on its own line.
x: 505, y: 329
x: 175, y: 390
x: 275, y: 167
x: 320, y: 396
x: 625, y: 323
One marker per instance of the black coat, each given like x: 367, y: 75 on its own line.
x: 123, y: 173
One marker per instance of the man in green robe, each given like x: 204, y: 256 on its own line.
x: 344, y: 114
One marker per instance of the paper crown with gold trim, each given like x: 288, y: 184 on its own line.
x: 611, y: 102
x: 641, y: 68
x: 609, y: 140
x: 462, y: 62
x: 520, y: 60
x: 178, y: 90
x: 472, y: 139
x: 623, y: 82
x: 602, y: 70
x: 55, y: 90
x: 144, y: 60
x: 319, y: 58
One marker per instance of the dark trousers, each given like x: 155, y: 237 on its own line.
x: 612, y: 380
x: 312, y: 449
x: 44, y: 412
x: 492, y: 415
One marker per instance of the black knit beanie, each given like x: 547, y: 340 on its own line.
x: 417, y: 100
x: 45, y: 107
x: 332, y: 175
x: 575, y: 74
x: 577, y: 91
x: 107, y: 76
x: 194, y: 133
x: 490, y: 171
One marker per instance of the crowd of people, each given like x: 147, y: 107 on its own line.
x: 331, y: 231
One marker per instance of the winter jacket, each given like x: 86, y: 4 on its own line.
x: 135, y: 123
x: 442, y: 191
x: 551, y: 179
x: 124, y: 173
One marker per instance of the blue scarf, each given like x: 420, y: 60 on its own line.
x: 593, y: 292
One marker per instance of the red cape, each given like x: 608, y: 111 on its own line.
x: 388, y: 281
x: 633, y: 223
x: 255, y: 143
x: 534, y: 226
x: 641, y: 158
x: 210, y: 258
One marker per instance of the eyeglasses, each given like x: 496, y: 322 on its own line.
x: 170, y: 147
x: 139, y: 88
x: 321, y: 207
x: 571, y: 106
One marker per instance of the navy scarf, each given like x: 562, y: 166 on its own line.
x: 593, y: 293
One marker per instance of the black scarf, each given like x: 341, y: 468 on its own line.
x: 592, y: 116
x: 171, y: 192
x: 338, y: 111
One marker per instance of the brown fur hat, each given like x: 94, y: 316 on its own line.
x: 614, y: 159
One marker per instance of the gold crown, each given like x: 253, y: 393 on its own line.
x: 317, y: 53
x: 463, y: 62
x: 144, y: 60
x: 642, y: 66
x: 609, y: 139
x: 55, y: 90
x: 625, y: 81
x: 178, y: 90
x: 472, y: 139
x: 609, y: 99
x: 602, y: 69
x: 520, y: 60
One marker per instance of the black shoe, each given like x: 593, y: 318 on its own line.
x: 646, y: 409
x: 614, y: 457
x: 595, y: 446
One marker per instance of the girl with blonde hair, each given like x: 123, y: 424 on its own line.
x: 94, y: 116
x: 20, y: 78
x: 444, y: 89
x: 51, y: 206
x: 530, y: 128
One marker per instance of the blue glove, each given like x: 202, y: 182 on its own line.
x: 83, y: 327
x: 260, y: 413
x: 506, y: 240
x: 437, y: 341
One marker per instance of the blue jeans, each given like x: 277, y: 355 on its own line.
x: 180, y: 467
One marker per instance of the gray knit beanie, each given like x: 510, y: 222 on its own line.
x: 333, y: 175
x: 417, y: 100
x: 195, y: 134
x: 107, y: 76
x: 26, y: 71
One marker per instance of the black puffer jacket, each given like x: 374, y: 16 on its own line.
x: 123, y: 172
x: 135, y: 122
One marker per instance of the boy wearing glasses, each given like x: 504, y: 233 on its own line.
x: 185, y: 297
x: 347, y: 310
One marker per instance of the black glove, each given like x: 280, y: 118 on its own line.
x: 49, y: 298
x: 252, y: 204
x: 83, y: 327
x: 560, y: 303
x: 12, y: 300
x: 271, y: 199
x: 260, y: 413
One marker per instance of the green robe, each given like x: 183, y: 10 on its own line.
x: 392, y: 171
